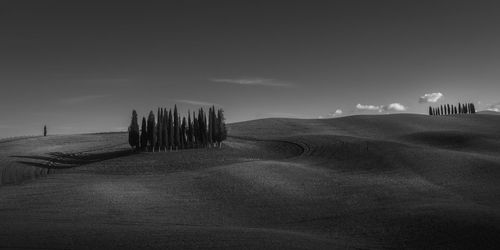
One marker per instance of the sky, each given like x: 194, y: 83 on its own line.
x: 82, y: 66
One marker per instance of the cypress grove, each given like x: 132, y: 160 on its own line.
x: 171, y: 131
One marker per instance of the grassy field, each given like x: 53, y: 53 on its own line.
x: 388, y: 181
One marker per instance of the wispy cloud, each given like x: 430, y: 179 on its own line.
x: 253, y: 81
x: 367, y: 107
x: 198, y: 103
x: 432, y: 97
x: 80, y: 99
x: 381, y: 108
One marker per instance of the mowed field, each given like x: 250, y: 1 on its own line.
x: 368, y: 182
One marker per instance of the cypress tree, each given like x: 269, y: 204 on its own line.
x: 165, y: 130
x: 133, y: 132
x: 217, y: 127
x: 183, y: 133
x: 473, y: 108
x: 430, y: 110
x: 441, y: 110
x: 151, y: 131
x: 176, y: 128
x: 460, y: 108
x: 210, y: 127
x: 205, y: 129
x: 144, y: 135
x: 189, y: 131
x: 456, y: 111
x: 448, y: 109
x: 214, y: 125
x: 170, y: 130
x: 195, y: 131
x: 464, y: 108
x: 158, y: 130
x: 222, y: 133
x: 202, y: 121
x: 155, y: 137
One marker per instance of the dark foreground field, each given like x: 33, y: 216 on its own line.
x: 394, y: 181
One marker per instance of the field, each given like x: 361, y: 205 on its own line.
x: 387, y: 181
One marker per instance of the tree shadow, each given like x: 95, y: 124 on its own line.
x: 59, y: 160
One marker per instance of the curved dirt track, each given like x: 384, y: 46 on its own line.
x: 355, y: 182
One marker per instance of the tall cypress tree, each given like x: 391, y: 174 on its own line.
x: 176, y: 128
x: 195, y: 131
x: 151, y: 131
x: 448, y: 109
x: 183, y: 133
x: 189, y: 131
x: 133, y: 132
x: 464, y: 108
x: 165, y: 129
x: 170, y: 130
x: 214, y: 125
x: 222, y: 133
x: 210, y: 126
x: 430, y: 110
x: 158, y: 130
x: 205, y: 128
x: 202, y: 121
x: 144, y: 135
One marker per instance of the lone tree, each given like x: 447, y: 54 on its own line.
x: 144, y: 135
x: 45, y: 130
x: 133, y: 132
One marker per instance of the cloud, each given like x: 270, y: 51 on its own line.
x: 367, y: 107
x: 432, y: 97
x: 394, y: 107
x: 199, y: 103
x: 337, y: 112
x: 253, y: 81
x: 391, y: 107
x: 80, y: 99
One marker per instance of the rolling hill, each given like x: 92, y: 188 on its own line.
x: 385, y: 181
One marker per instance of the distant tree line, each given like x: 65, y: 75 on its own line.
x: 447, y: 109
x: 168, y: 131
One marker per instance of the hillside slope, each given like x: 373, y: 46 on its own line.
x: 389, y: 181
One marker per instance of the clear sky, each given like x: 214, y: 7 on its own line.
x: 82, y: 66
